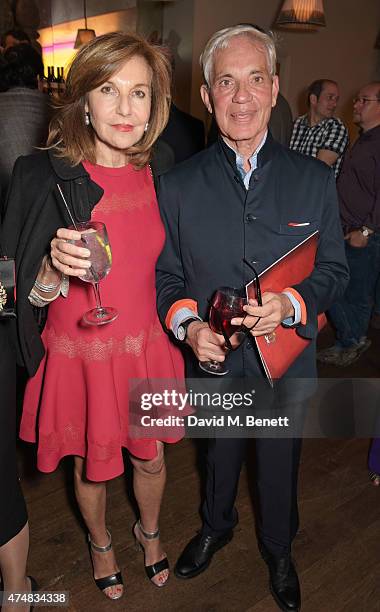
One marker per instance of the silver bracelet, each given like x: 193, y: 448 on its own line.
x: 38, y: 300
x: 65, y: 285
x: 46, y: 288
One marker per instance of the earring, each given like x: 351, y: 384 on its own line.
x: 146, y: 127
x: 87, y: 118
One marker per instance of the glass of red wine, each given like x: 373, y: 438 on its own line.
x: 226, y: 303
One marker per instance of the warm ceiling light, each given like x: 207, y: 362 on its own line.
x: 301, y: 13
x: 84, y: 35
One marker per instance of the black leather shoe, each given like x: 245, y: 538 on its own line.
x: 283, y: 581
x: 198, y: 553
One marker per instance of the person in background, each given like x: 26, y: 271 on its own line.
x: 12, y: 38
x: 359, y: 201
x: 319, y: 133
x: 24, y: 111
x: 100, y: 143
x: 184, y: 133
x: 281, y: 121
x: 14, y: 527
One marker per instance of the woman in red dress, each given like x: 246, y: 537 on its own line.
x: 115, y: 106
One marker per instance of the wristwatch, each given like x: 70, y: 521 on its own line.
x: 182, y: 328
x: 365, y: 231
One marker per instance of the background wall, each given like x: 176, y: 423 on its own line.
x: 178, y: 28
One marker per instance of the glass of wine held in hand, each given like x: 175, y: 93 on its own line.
x: 95, y: 238
x: 226, y: 304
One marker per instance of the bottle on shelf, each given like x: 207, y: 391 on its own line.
x: 54, y: 83
x: 44, y: 85
x: 61, y: 81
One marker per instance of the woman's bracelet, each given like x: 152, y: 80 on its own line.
x: 38, y: 300
x: 46, y: 288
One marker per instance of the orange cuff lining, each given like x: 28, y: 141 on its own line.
x: 185, y: 303
x: 299, y: 299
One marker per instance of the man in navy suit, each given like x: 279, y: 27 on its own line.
x: 247, y: 199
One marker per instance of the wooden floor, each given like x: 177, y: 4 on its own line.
x: 337, y: 551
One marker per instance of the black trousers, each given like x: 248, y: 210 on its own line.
x: 277, y: 462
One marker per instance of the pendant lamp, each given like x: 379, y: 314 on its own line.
x: 84, y: 35
x: 301, y: 14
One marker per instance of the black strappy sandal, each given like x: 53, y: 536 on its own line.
x: 111, y: 580
x: 154, y: 569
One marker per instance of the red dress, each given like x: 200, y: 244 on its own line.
x: 78, y: 399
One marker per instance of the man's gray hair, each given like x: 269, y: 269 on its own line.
x: 221, y: 39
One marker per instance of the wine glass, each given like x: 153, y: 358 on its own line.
x: 95, y: 238
x: 226, y: 303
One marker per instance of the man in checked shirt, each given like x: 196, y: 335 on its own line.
x: 319, y: 133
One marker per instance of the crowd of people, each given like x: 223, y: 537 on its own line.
x: 116, y: 150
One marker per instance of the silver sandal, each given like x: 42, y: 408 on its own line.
x: 156, y: 568
x: 111, y: 580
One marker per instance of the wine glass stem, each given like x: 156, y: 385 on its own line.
x: 97, y: 296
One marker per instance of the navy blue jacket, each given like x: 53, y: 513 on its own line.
x: 212, y: 223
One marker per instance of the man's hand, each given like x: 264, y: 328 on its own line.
x: 329, y: 157
x: 356, y: 239
x: 276, y: 307
x: 206, y: 345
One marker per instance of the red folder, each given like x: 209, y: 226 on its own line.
x: 279, y: 349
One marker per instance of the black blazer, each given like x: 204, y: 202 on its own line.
x: 34, y: 211
x: 212, y: 222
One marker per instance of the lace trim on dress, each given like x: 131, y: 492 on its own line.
x: 117, y: 203
x: 104, y: 452
x: 96, y: 349
x: 56, y: 442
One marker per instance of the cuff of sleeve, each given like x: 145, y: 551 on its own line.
x: 178, y: 305
x: 370, y: 226
x: 182, y: 315
x: 299, y: 302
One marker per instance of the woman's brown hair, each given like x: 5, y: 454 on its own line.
x: 93, y: 65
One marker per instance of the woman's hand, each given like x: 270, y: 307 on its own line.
x: 68, y: 258
x: 276, y: 307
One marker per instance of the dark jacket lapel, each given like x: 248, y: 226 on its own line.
x: 80, y: 192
